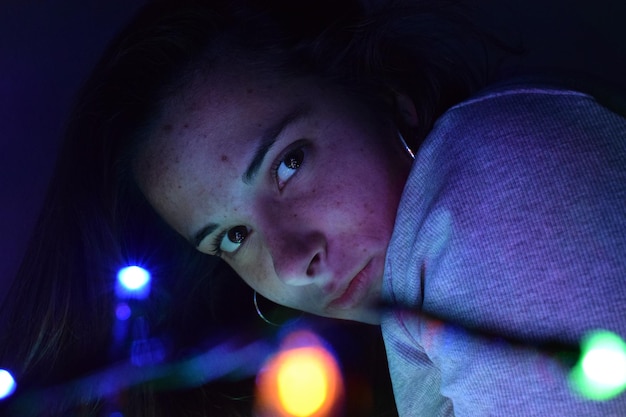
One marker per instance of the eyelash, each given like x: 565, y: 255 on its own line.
x: 297, y: 146
x: 216, y: 243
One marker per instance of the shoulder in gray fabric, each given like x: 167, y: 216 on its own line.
x: 512, y: 223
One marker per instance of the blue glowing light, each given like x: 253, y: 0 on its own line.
x: 7, y: 384
x: 147, y: 352
x: 133, y: 282
x: 133, y: 278
x: 123, y: 311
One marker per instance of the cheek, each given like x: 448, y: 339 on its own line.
x: 366, y: 198
x: 254, y: 266
x: 252, y: 275
x: 259, y: 275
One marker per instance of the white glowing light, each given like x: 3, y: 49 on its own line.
x: 133, y: 277
x: 601, y: 372
x: 605, y: 366
x: 7, y: 384
x: 133, y: 282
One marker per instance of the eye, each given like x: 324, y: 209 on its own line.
x: 287, y: 166
x: 232, y: 239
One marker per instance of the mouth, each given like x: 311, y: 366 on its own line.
x: 354, y: 291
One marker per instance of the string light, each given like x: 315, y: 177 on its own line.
x: 302, y: 380
x: 7, y: 384
x: 600, y: 374
x: 123, y: 311
x: 133, y: 282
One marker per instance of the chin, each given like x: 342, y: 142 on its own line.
x: 365, y: 316
x: 370, y: 317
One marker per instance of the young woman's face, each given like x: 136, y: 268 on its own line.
x: 291, y: 183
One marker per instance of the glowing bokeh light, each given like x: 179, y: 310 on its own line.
x: 600, y: 373
x: 133, y: 277
x: 123, y: 311
x: 7, y: 384
x: 133, y: 282
x: 301, y: 380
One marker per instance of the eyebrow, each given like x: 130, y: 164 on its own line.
x: 267, y: 140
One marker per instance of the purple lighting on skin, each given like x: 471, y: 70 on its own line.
x: 133, y: 282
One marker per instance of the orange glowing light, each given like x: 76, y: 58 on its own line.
x: 300, y: 381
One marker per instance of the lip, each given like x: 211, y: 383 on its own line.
x: 354, y: 291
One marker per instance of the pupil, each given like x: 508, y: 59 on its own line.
x: 294, y: 159
x: 237, y: 234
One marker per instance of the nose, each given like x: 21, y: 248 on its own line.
x: 298, y: 255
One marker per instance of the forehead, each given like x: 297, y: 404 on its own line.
x: 200, y: 129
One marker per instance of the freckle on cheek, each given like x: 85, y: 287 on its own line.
x: 224, y: 158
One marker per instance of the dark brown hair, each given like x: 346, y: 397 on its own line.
x: 58, y: 315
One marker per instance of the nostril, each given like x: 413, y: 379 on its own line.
x: 313, y: 265
x: 299, y: 260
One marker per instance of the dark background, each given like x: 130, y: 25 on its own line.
x: 48, y: 47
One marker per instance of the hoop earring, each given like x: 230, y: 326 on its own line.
x: 258, y: 311
x: 284, y: 319
x: 405, y: 146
